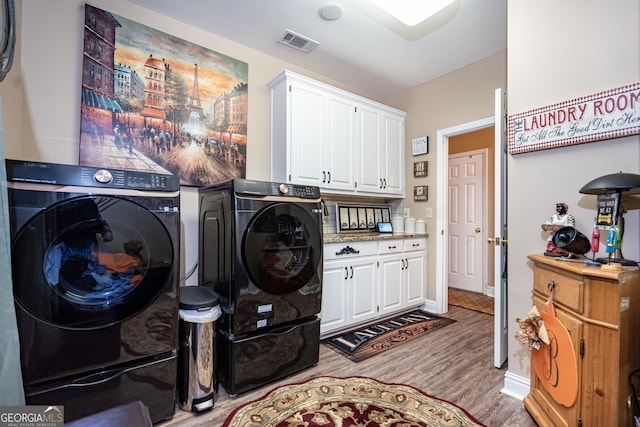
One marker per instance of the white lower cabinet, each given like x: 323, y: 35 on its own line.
x: 349, y: 284
x: 365, y: 280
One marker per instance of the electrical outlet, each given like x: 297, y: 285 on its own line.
x: 407, y: 212
x: 428, y: 213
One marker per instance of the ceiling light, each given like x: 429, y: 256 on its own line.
x: 331, y: 12
x: 411, y: 12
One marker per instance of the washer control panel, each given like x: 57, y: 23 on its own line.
x: 264, y: 188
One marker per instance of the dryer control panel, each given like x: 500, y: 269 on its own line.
x: 264, y: 188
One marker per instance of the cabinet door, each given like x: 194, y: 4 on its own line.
x: 559, y: 414
x: 370, y: 145
x: 335, y: 296
x: 307, y: 135
x: 340, y: 143
x: 392, y: 269
x: 392, y: 160
x: 363, y: 289
x: 416, y: 277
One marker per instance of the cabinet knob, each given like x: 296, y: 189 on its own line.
x: 551, y: 286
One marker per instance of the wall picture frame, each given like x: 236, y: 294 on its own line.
x: 420, y: 169
x: 420, y: 145
x: 421, y: 193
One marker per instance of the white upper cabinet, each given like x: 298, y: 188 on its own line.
x: 338, y: 141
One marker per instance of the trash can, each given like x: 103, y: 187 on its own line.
x: 197, y: 383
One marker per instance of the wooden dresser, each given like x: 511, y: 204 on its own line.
x: 601, y: 310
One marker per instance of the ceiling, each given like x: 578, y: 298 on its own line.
x: 361, y: 49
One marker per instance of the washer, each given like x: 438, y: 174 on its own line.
x: 260, y: 249
x: 95, y: 279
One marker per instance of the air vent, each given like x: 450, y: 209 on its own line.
x: 297, y: 41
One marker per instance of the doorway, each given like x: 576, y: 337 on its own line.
x: 445, y: 138
x: 468, y: 222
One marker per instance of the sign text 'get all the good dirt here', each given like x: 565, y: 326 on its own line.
x: 605, y: 115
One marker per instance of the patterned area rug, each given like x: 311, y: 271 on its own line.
x: 354, y: 401
x: 360, y: 344
x: 471, y: 301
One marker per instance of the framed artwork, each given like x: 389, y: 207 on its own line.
x: 420, y: 169
x: 156, y: 103
x: 420, y: 145
x: 421, y: 193
x: 360, y: 218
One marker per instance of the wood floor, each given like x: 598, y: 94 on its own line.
x: 454, y: 363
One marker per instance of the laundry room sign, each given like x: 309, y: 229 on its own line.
x: 605, y: 115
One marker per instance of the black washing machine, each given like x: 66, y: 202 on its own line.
x: 260, y: 249
x: 94, y: 256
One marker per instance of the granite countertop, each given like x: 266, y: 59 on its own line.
x: 364, y: 237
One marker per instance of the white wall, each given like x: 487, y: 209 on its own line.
x: 559, y: 51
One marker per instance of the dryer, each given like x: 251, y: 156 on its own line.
x: 94, y: 256
x: 260, y: 249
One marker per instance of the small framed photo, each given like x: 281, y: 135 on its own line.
x: 420, y: 145
x: 421, y: 193
x: 420, y: 168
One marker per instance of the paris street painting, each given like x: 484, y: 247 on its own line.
x: 153, y: 102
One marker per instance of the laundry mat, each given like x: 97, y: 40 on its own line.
x: 353, y: 401
x: 367, y: 341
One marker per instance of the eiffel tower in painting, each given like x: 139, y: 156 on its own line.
x: 193, y: 107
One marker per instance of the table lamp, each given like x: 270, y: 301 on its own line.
x: 619, y: 183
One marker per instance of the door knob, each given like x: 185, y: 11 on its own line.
x: 478, y: 229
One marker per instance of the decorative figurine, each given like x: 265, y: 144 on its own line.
x: 558, y: 220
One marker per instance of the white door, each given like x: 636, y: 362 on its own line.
x: 466, y: 221
x: 500, y: 240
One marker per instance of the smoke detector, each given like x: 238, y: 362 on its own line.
x: 297, y: 41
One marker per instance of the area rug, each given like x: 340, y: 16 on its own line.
x: 367, y: 341
x: 353, y: 401
x: 471, y: 301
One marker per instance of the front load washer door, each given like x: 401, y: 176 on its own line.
x: 90, y: 261
x: 282, y: 248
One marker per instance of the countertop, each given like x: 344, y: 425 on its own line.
x: 364, y: 237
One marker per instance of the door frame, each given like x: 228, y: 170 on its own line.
x: 443, y: 135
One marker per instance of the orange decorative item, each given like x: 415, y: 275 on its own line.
x: 558, y: 355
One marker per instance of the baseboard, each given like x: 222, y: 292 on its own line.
x: 430, y: 306
x: 516, y: 386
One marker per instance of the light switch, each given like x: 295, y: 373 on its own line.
x: 428, y: 213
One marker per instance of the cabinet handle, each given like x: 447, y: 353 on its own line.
x: 551, y: 286
x: 402, y: 265
x: 381, y: 183
x: 385, y: 183
x: 329, y: 175
x: 351, y: 277
x: 324, y: 176
x: 406, y: 262
x: 346, y: 273
x: 392, y: 247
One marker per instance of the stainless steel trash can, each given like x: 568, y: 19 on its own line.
x: 197, y: 383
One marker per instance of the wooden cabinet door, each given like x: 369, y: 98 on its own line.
x: 416, y: 278
x: 371, y: 150
x: 560, y: 415
x: 363, y: 289
x: 340, y: 150
x: 307, y: 135
x: 392, y: 160
x: 392, y: 268
x: 335, y: 296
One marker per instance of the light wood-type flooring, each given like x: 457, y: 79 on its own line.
x: 454, y: 363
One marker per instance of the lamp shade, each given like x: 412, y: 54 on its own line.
x: 615, y: 182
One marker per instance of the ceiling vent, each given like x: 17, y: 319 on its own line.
x: 297, y: 41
